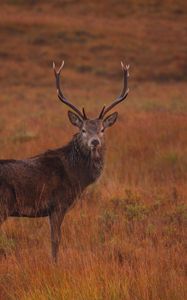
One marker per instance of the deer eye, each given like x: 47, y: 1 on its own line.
x: 102, y: 130
x: 83, y: 130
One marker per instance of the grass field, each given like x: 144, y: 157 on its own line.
x: 125, y: 238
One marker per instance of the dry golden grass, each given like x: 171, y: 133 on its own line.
x: 125, y: 239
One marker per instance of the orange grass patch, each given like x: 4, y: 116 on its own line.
x: 125, y: 238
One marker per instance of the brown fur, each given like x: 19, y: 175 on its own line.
x: 48, y: 184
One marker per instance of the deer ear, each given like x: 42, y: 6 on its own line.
x: 110, y: 120
x: 74, y: 119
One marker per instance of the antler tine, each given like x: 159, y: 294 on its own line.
x: 102, y: 111
x: 84, y: 114
x: 60, y: 93
x: 123, y: 94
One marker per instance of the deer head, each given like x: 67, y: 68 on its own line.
x: 91, y: 131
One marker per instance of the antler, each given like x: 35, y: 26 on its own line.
x: 61, y: 96
x: 123, y: 94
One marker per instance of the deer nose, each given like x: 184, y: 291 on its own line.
x: 95, y: 143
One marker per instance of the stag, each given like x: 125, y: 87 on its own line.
x: 48, y: 184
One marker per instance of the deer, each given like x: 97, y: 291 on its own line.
x: 48, y: 184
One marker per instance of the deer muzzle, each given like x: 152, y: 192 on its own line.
x: 94, y: 143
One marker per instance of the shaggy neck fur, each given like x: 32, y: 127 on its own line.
x: 87, y: 165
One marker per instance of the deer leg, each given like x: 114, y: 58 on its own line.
x: 3, y: 210
x: 7, y: 200
x: 3, y: 218
x: 56, y: 218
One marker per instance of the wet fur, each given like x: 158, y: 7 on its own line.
x: 48, y: 184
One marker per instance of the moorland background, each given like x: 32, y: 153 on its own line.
x: 125, y: 238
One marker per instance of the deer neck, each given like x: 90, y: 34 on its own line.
x: 85, y: 164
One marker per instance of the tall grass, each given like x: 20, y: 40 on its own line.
x: 125, y: 238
